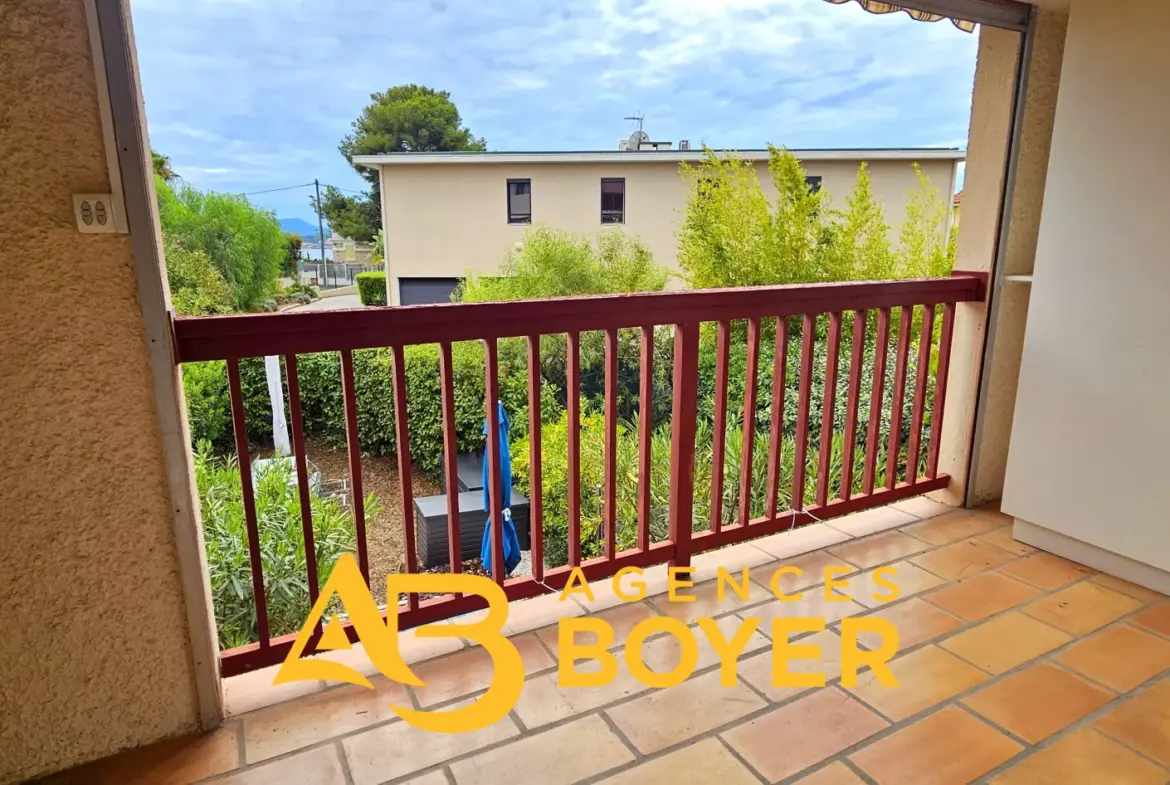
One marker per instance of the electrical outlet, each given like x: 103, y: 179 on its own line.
x: 94, y: 213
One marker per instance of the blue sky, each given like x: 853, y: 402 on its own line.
x: 248, y: 95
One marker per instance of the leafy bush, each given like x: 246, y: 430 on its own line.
x: 297, y: 287
x: 292, y: 255
x: 554, y: 263
x: 197, y: 288
x: 282, y: 545
x: 371, y: 288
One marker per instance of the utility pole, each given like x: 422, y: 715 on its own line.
x: 321, y: 233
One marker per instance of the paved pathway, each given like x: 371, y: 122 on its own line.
x: 331, y: 303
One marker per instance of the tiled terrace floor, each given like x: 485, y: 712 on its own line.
x: 1015, y: 667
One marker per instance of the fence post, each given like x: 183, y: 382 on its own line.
x: 682, y: 440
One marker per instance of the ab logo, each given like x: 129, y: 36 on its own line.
x: 381, y: 643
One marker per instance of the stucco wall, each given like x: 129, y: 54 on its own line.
x: 1088, y: 447
x: 95, y: 653
x: 470, y: 230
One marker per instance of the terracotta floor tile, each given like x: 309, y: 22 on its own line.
x: 291, y: 726
x: 411, y: 647
x: 1038, y: 701
x: 251, y: 691
x: 1005, y: 642
x: 947, y: 748
x: 544, y: 700
x: 1143, y: 723
x: 757, y: 670
x: 880, y: 548
x: 395, y: 750
x: 471, y: 670
x: 1127, y: 588
x: 1121, y: 657
x: 179, y: 761
x: 1002, y: 538
x: 321, y: 766
x: 926, y: 677
x: 434, y: 778
x: 702, y: 763
x: 1156, y: 618
x: 916, y: 622
x: 663, y: 718
x: 1046, y: 571
x: 953, y: 526
x: 909, y: 578
x: 663, y: 654
x: 963, y: 559
x: 860, y: 524
x: 707, y: 602
x: 833, y: 774
x: 560, y: 756
x: 652, y: 581
x: 733, y: 558
x: 803, y: 733
x: 802, y: 540
x: 812, y: 565
x: 982, y: 596
x: 922, y: 507
x: 622, y: 618
x: 1081, y: 608
x: 1083, y: 758
x: 814, y: 605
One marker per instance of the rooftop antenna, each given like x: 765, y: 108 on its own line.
x: 637, y: 117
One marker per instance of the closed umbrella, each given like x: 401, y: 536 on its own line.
x: 511, y: 541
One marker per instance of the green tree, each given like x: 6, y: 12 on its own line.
x: 925, y: 249
x: 197, y: 288
x: 356, y: 217
x: 555, y: 263
x: 860, y: 246
x: 162, y: 166
x: 244, y: 242
x: 292, y: 254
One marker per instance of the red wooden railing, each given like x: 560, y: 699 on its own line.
x: 233, y: 337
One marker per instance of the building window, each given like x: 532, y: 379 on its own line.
x: 613, y: 200
x: 814, y: 183
x: 519, y: 201
x: 426, y: 291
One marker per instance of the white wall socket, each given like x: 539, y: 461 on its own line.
x: 94, y: 213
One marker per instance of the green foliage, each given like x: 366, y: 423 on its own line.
x: 733, y: 235
x: 292, y: 255
x: 162, y: 166
x: 554, y: 263
x: 299, y: 292
x: 380, y: 247
x: 358, y: 217
x: 282, y: 545
x: 371, y: 288
x: 197, y: 287
x: 208, y: 406
x: 244, y: 242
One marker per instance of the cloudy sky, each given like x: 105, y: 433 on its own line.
x: 248, y: 95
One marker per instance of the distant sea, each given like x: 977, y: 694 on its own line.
x: 314, y: 254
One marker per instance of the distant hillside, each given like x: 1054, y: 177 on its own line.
x: 302, y: 227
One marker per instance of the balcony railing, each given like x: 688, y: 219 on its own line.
x: 231, y: 338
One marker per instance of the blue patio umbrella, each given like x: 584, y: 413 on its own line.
x: 511, y: 541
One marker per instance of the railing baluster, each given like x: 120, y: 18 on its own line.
x: 940, y: 390
x: 450, y: 457
x: 828, y: 409
x: 357, y: 501
x: 682, y: 440
x: 776, y: 437
x: 645, y: 433
x: 247, y: 494
x: 901, y: 360
x: 856, y: 353
x: 302, y: 467
x: 609, y: 519
x: 535, y: 478
x: 573, y: 414
x: 405, y: 479
x: 799, y: 457
x: 749, y: 421
x: 924, y: 340
x: 495, y: 487
x: 719, y: 426
x: 881, y: 348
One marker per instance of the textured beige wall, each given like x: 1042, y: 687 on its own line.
x: 1088, y: 445
x: 95, y: 653
x: 471, y: 230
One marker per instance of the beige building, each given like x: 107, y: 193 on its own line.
x: 489, y: 200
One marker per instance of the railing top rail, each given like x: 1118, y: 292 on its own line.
x: 254, y: 335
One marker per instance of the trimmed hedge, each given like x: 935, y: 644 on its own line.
x: 371, y: 288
